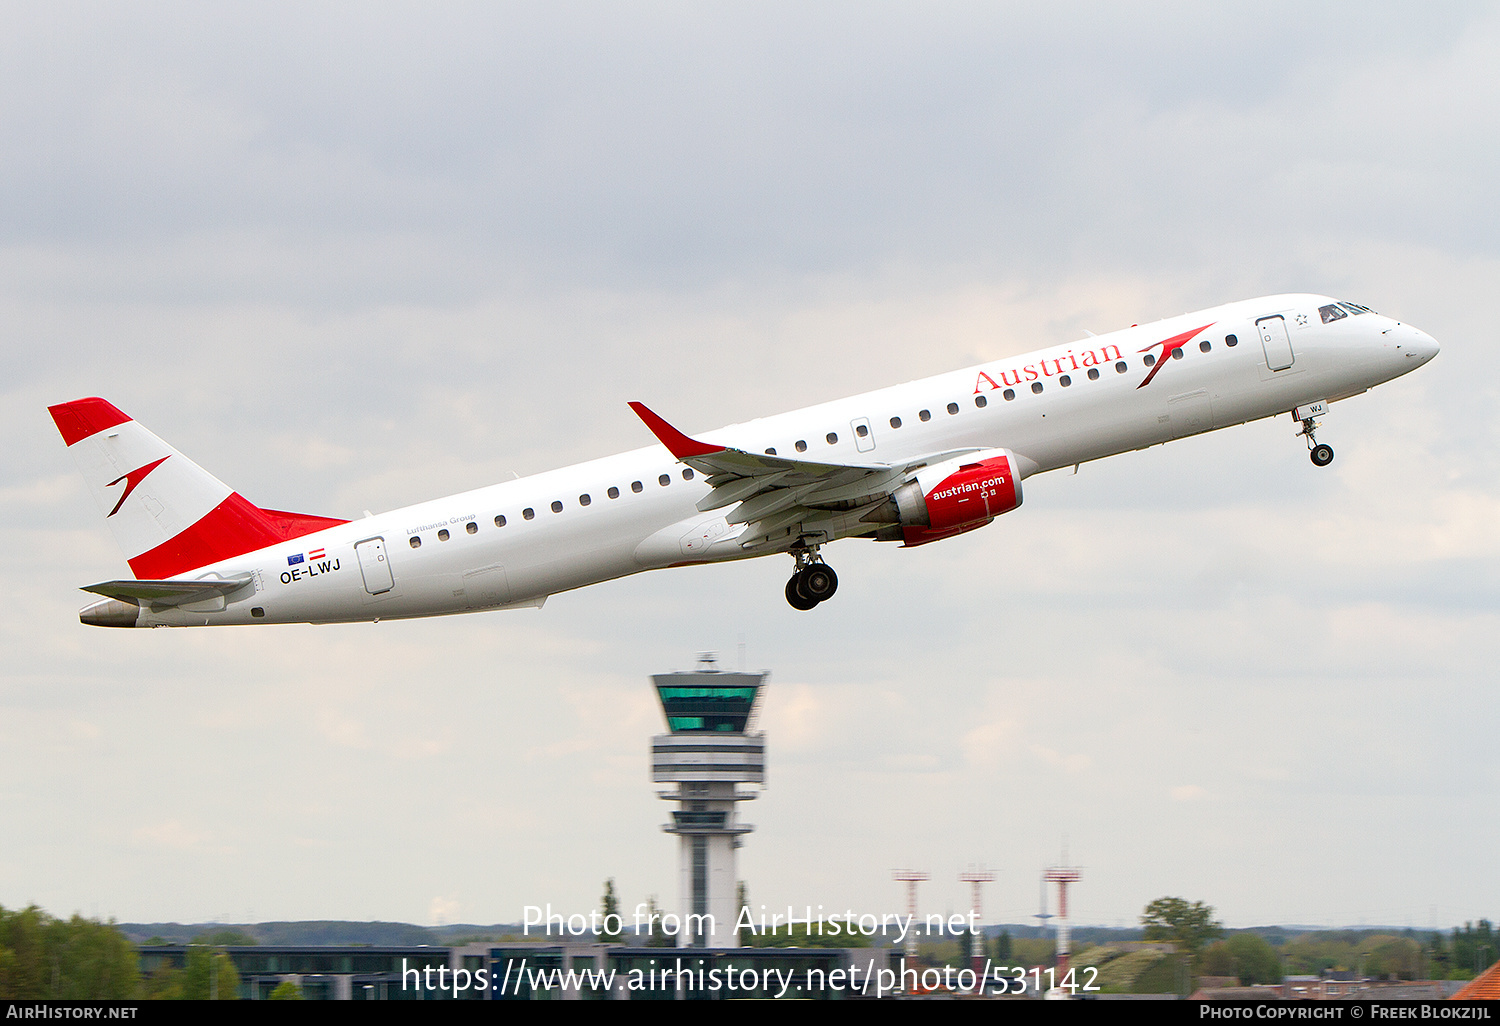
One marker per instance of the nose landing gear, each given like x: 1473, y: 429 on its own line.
x: 1318, y: 452
x: 813, y: 582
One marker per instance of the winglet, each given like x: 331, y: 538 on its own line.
x: 679, y: 444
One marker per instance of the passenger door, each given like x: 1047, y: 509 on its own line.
x: 1275, y: 342
x: 374, y: 565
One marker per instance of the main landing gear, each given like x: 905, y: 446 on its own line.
x: 1319, y: 453
x: 813, y: 582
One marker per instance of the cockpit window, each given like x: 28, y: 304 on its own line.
x: 1331, y: 313
x: 1355, y: 308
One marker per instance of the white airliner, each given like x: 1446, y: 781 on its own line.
x: 913, y: 463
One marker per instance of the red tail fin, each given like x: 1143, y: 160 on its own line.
x: 168, y: 514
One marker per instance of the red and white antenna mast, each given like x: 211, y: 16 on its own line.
x: 976, y: 877
x: 1062, y: 876
x: 911, y: 877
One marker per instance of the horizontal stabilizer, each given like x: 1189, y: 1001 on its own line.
x: 168, y: 593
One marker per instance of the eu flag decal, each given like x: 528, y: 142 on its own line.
x: 292, y: 560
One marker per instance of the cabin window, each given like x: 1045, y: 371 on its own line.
x: 1093, y: 373
x: 832, y: 438
x: 528, y: 513
x: 1150, y: 360
x: 500, y: 520
x: 1121, y: 367
x: 1009, y: 394
x: 801, y: 446
x: 556, y: 506
x: 687, y: 474
x: 1064, y: 381
x: 895, y: 422
x: 443, y: 534
x: 584, y: 500
x: 952, y: 409
x: 1177, y: 353
x: 664, y: 480
x: 862, y: 431
x: 613, y: 493
x: 771, y: 452
x: 1205, y: 346
x: 1036, y: 386
x: 471, y: 527
x: 1231, y: 341
x: 257, y: 611
x: 981, y: 402
x: 635, y: 486
x: 924, y: 416
x: 415, y: 541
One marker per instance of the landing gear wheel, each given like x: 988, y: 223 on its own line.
x: 814, y: 580
x: 795, y: 597
x: 818, y: 582
x: 1320, y: 454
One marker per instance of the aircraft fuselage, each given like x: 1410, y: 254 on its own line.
x: 514, y: 544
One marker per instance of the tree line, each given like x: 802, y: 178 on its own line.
x: 48, y: 959
x: 1253, y: 957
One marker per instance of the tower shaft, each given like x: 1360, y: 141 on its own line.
x: 708, y: 753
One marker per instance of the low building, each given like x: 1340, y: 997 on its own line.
x: 543, y: 972
x: 331, y: 973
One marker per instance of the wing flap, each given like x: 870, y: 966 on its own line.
x: 728, y: 489
x: 769, y: 503
x: 763, y: 528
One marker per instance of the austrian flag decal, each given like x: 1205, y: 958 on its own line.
x: 307, y: 565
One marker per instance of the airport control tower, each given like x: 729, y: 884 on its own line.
x: 707, y: 753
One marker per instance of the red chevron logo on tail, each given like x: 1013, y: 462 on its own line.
x: 132, y: 479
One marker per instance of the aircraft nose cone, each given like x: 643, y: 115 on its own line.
x: 1423, y: 347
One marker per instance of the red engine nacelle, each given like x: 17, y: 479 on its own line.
x: 951, y: 497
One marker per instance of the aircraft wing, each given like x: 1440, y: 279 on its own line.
x: 167, y: 593
x: 774, y: 491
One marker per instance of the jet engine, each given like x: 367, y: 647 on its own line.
x: 950, y: 498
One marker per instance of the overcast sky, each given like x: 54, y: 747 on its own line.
x: 353, y: 257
